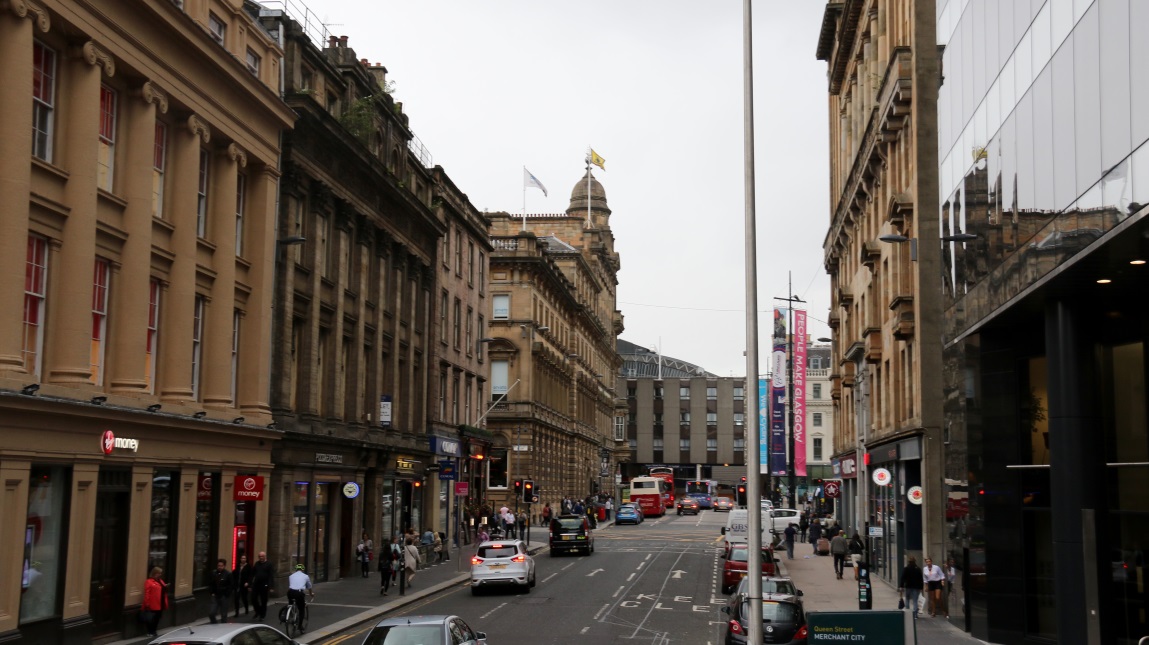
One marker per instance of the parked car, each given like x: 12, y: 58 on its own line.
x: 780, y: 518
x: 770, y: 584
x: 704, y: 500
x: 628, y: 514
x: 432, y: 630
x: 502, y: 563
x: 723, y: 504
x: 225, y: 634
x: 571, y: 533
x: 783, y: 620
x: 688, y: 505
x: 734, y: 568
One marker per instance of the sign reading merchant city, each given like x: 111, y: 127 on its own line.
x: 109, y: 442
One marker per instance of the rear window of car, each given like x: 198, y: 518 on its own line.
x: 742, y: 555
x: 497, y: 551
x: 775, y: 612
x: 770, y: 586
x: 405, y: 635
x: 569, y: 522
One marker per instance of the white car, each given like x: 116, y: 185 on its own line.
x: 500, y: 563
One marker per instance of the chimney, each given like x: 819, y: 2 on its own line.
x: 363, y: 62
x: 332, y: 41
x: 343, y: 41
x: 379, y: 72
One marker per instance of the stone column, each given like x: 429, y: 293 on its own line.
x: 181, y: 579
x: 13, y: 506
x: 81, y: 534
x: 226, y: 517
x: 70, y: 297
x: 262, y: 250
x: 130, y: 295
x: 179, y: 301
x: 139, y: 532
x: 218, y: 327
x: 15, y: 173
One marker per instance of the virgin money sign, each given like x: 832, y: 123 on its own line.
x: 247, y: 488
x: 109, y: 442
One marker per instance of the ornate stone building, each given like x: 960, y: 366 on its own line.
x: 134, y: 351
x: 554, y: 322
x: 882, y: 254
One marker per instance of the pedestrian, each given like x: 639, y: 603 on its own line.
x: 838, y: 548
x: 241, y: 577
x: 791, y: 532
x: 804, y: 525
x: 609, y: 506
x: 910, y: 584
x: 856, y: 548
x: 155, y: 600
x: 219, y: 586
x: 934, y: 578
x: 437, y: 548
x: 951, y: 577
x: 367, y: 555
x: 411, y: 560
x: 836, y: 529
x: 299, y: 583
x: 483, y: 535
x: 387, y: 557
x: 547, y: 514
x: 262, y: 575
x: 815, y: 535
x: 428, y: 536
x: 523, y: 520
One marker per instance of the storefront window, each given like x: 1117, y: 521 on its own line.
x: 299, y: 526
x: 322, y: 498
x: 417, y: 507
x: 161, y: 535
x: 43, y: 537
x: 388, y: 506
x: 497, y: 468
x: 205, y: 539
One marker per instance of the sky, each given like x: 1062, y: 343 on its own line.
x: 656, y: 88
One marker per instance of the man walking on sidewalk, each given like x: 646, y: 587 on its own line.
x: 838, y: 548
x: 790, y: 533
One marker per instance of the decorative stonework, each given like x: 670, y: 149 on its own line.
x: 92, y: 53
x: 22, y: 8
x: 199, y: 128
x: 150, y: 93
x: 236, y: 154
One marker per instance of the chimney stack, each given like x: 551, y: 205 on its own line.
x: 343, y: 41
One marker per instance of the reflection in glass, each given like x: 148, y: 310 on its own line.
x: 44, y: 530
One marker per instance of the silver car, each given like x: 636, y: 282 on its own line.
x: 502, y: 563
x: 225, y: 634
x: 431, y: 630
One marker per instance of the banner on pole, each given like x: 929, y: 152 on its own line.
x: 799, y: 403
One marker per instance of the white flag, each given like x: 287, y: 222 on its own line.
x: 530, y: 180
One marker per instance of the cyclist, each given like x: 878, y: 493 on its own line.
x: 298, y: 584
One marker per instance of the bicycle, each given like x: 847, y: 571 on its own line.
x: 287, y: 617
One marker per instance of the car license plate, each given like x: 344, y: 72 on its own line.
x: 496, y: 566
x: 568, y: 537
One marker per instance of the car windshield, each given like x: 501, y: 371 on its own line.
x: 775, y: 612
x: 742, y: 555
x: 569, y: 523
x: 405, y: 635
x: 497, y: 551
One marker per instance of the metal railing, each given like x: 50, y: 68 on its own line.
x: 315, y: 29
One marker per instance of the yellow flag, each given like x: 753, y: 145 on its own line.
x: 597, y: 160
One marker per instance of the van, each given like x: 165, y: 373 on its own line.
x: 737, y: 527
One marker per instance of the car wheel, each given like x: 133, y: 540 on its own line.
x: 474, y: 591
x: 533, y: 581
x: 680, y: 512
x: 554, y: 554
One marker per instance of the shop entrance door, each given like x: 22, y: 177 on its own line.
x: 109, y: 552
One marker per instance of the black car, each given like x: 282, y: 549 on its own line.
x: 783, y: 620
x: 570, y: 533
x: 770, y: 585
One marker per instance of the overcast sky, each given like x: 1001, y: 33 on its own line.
x: 655, y: 87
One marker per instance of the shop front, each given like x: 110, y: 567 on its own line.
x: 447, y: 452
x: 403, y: 503
x: 102, y: 500
x: 845, y: 469
x: 894, y: 511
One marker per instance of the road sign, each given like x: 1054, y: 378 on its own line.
x: 891, y: 627
x: 876, y: 531
x: 462, y: 489
x: 446, y: 470
x: 535, y: 499
x: 833, y: 489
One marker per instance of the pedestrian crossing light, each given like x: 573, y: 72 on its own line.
x: 518, y: 488
x: 528, y: 491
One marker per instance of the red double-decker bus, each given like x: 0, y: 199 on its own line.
x: 666, y: 474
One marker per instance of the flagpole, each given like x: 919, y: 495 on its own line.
x: 524, y: 198
x: 588, y: 159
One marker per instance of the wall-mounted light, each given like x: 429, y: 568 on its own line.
x: 291, y: 240
x: 99, y: 400
x: 155, y: 407
x: 199, y: 415
x: 894, y: 238
x: 30, y: 389
x: 238, y: 420
x: 272, y: 426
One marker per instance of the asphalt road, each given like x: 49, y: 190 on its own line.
x: 655, y: 583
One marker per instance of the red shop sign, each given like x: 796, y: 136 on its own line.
x: 248, y: 488
x: 203, y: 487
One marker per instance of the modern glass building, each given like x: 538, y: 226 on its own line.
x: 1043, y: 117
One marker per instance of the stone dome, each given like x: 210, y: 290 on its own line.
x: 578, y: 196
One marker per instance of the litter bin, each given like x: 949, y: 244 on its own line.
x: 601, y: 513
x: 865, y: 592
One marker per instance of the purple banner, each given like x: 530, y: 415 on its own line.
x: 778, y: 397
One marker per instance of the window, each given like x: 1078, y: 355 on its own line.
x: 482, y: 272
x: 217, y: 28
x: 684, y: 417
x: 817, y: 419
x: 240, y: 190
x: 498, y: 378
x: 197, y: 345
x: 632, y: 444
x: 711, y: 445
x: 455, y: 401
x: 619, y: 428
x: 658, y: 391
x: 235, y: 316
x: 253, y: 62
x: 470, y: 338
x: 816, y: 363
x: 106, y: 156
x: 631, y: 392
x: 657, y: 444
x: 459, y: 252
x: 684, y: 392
x: 817, y: 390
x: 739, y: 445
x: 711, y: 418
x: 447, y: 250
x: 711, y: 394
x: 443, y: 394
x: 321, y: 248
x: 657, y: 418
x: 467, y: 401
x: 45, y: 538
x: 684, y: 444
x: 739, y: 393
x: 159, y: 162
x: 443, y: 298
x: 153, y: 334
x: 482, y: 329
x: 43, y: 100
x: 470, y: 262
x: 502, y: 307
x: 456, y: 326
x: 35, y: 281
x: 739, y: 418
x: 817, y: 449
x: 100, y: 276
x: 201, y: 195
x: 497, y: 468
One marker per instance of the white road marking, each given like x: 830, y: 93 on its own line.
x: 595, y: 571
x: 630, y: 577
x: 548, y: 578
x: 605, y: 607
x: 641, y: 564
x: 647, y: 557
x: 619, y: 589
x: 493, y: 611
x: 584, y: 630
x: 569, y: 566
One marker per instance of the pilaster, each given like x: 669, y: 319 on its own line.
x: 81, y: 536
x: 262, y: 251
x: 139, y: 534
x: 219, y: 327
x: 14, y: 506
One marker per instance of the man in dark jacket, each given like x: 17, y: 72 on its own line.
x: 241, y: 578
x: 815, y: 535
x: 261, y: 576
x: 220, y: 585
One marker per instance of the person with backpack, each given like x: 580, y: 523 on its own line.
x: 388, y: 565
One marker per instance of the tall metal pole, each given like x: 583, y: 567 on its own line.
x: 754, y: 517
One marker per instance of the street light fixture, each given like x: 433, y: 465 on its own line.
x: 894, y: 238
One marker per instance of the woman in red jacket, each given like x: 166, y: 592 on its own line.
x: 155, y: 600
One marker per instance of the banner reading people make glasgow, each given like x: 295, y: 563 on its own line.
x: 799, y: 340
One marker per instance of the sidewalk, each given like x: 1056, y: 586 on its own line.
x: 822, y: 591
x: 342, y: 603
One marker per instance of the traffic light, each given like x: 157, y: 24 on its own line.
x: 528, y: 491
x: 518, y: 488
x: 741, y: 497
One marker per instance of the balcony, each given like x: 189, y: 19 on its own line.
x: 873, y: 336
x: 903, y: 308
x: 848, y: 374
x: 845, y: 298
x: 836, y: 387
x: 871, y: 253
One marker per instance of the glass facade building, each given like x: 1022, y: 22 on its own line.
x: 1043, y: 177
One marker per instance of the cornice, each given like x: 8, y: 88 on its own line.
x: 151, y: 93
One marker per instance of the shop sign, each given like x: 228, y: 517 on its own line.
x: 203, y: 487
x: 914, y: 494
x: 327, y: 458
x: 405, y: 464
x: 833, y: 489
x: 351, y: 490
x: 109, y: 442
x: 385, y: 411
x: 441, y: 446
x: 462, y: 489
x: 882, y: 477
x: 888, y: 627
x: 849, y: 467
x: 446, y: 470
x: 247, y: 488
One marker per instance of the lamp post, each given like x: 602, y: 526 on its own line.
x: 790, y: 392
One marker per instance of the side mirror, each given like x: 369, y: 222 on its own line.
x: 481, y: 635
x: 799, y: 591
x: 724, y: 530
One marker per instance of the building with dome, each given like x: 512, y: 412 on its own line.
x: 550, y: 343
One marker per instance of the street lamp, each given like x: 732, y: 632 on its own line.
x: 894, y: 238
x: 790, y: 393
